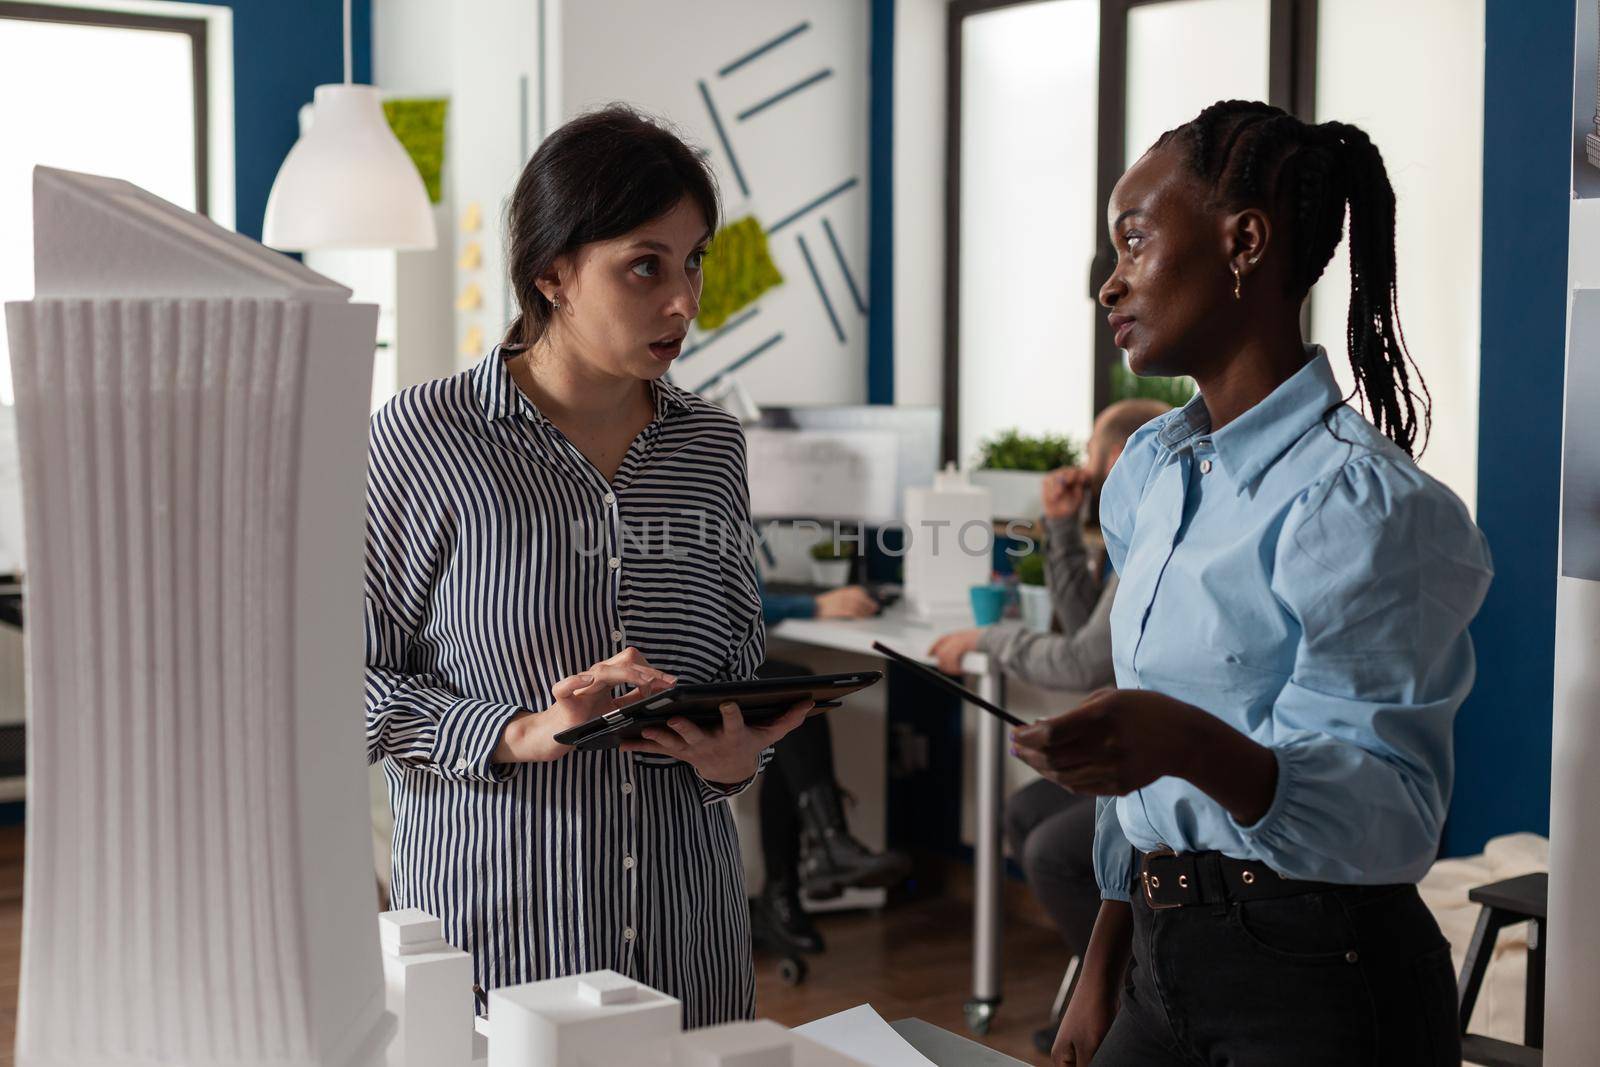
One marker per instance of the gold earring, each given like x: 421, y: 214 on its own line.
x: 555, y: 302
x: 1238, y: 280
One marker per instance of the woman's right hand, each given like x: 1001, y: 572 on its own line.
x: 1086, y: 1022
x: 1064, y: 491
x: 1094, y: 1001
x: 530, y: 738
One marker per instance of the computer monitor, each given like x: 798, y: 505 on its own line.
x: 851, y: 463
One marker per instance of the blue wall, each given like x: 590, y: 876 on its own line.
x: 1503, y: 733
x: 282, y: 50
x: 880, y: 240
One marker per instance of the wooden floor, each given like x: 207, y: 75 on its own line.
x: 916, y: 960
x: 11, y: 838
x: 911, y: 960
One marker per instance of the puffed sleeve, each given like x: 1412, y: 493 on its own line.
x: 413, y: 717
x: 1113, y: 853
x: 741, y: 582
x: 1383, y: 569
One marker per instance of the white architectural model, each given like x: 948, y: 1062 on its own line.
x: 949, y: 545
x: 581, y: 1021
x: 192, y: 424
x: 429, y: 988
x: 603, y: 1019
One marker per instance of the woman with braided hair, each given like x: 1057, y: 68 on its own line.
x: 1290, y: 632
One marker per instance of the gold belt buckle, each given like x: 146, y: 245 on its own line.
x: 1154, y: 882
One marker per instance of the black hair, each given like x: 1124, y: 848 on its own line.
x: 599, y: 176
x: 1252, y: 154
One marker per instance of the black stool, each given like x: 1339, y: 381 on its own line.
x: 1507, y: 903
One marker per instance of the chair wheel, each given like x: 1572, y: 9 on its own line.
x: 980, y: 1015
x: 792, y: 970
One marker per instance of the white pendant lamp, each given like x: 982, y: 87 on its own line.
x: 347, y: 182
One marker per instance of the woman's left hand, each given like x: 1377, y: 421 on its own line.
x: 952, y: 648
x: 725, y: 755
x: 1116, y: 741
x: 1119, y: 740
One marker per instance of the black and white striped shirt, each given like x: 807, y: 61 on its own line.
x: 499, y: 561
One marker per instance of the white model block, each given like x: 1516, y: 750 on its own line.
x: 607, y: 989
x: 949, y: 545
x: 191, y: 415
x: 410, y: 930
x: 429, y: 990
x: 555, y: 1023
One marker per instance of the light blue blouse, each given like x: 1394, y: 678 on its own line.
x: 1295, y: 575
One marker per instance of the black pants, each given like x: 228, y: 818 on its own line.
x: 800, y: 760
x: 1353, y: 977
x: 1051, y: 832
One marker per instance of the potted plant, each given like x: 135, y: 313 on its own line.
x: 830, y: 563
x: 1035, y: 597
x: 1013, y: 466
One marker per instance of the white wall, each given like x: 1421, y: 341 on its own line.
x: 478, y: 51
x: 1427, y: 120
x: 789, y: 154
x: 495, y: 63
x: 919, y: 193
x: 411, y: 45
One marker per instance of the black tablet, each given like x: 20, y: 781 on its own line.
x: 944, y: 681
x: 761, y: 700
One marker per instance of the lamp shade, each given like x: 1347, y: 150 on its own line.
x: 348, y: 183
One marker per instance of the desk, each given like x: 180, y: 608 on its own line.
x: 898, y: 629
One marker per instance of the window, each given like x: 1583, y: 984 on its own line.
x: 1027, y: 173
x: 118, y: 93
x: 1427, y: 120
x: 1049, y: 101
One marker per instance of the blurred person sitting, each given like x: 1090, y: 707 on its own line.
x: 805, y: 840
x: 1051, y: 831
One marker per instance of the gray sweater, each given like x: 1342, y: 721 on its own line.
x: 1079, y: 657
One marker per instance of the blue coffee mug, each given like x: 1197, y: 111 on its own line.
x: 988, y: 603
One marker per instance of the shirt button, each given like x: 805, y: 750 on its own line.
x: 627, y: 863
x: 616, y: 635
x: 611, y: 498
x: 627, y: 934
x: 615, y: 563
x: 627, y: 789
x: 1205, y: 466
x: 461, y: 766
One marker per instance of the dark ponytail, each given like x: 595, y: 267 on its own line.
x: 1251, y: 154
x: 599, y: 176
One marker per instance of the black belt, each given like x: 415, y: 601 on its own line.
x: 1178, y: 879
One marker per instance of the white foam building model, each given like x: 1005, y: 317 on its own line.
x: 949, y: 545
x: 191, y: 417
x: 429, y: 990
x: 604, y: 1019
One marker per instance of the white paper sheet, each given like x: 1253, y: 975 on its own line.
x: 862, y: 1033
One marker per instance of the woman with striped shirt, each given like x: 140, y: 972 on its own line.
x: 551, y: 534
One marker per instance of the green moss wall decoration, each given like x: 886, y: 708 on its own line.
x: 419, y: 124
x: 737, y: 271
